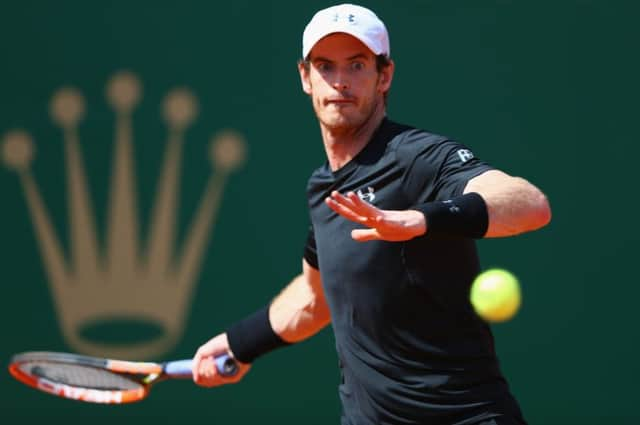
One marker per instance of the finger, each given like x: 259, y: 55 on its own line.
x: 364, y: 235
x: 198, y: 374
x: 341, y: 199
x: 345, y: 212
x: 209, y: 372
x: 362, y: 207
x: 196, y: 367
x: 356, y: 205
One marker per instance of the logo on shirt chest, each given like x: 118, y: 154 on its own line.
x: 367, y: 196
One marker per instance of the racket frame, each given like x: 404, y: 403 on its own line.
x: 142, y: 373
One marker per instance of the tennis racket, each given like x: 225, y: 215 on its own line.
x: 98, y: 380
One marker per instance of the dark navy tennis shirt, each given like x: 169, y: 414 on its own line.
x: 411, y: 348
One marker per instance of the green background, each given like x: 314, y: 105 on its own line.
x: 544, y: 90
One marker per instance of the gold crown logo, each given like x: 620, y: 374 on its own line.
x: 127, y: 278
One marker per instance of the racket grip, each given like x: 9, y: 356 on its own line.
x: 226, y: 365
x: 183, y: 368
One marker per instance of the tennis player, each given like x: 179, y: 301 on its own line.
x: 390, y: 255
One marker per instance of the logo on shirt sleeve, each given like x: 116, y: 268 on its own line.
x: 465, y: 155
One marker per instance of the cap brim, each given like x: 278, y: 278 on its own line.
x: 347, y: 30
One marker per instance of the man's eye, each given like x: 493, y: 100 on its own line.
x: 324, y: 67
x: 357, y: 66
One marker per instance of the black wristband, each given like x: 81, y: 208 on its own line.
x: 253, y: 336
x: 462, y: 216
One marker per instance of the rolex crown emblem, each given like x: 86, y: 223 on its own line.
x: 128, y: 277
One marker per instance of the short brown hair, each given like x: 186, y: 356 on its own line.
x: 382, y: 61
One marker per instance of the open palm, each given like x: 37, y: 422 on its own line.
x: 387, y: 225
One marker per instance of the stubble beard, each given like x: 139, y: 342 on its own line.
x: 348, y: 122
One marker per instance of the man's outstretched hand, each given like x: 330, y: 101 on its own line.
x: 386, y: 225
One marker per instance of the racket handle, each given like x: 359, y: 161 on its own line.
x: 226, y: 365
x: 183, y: 368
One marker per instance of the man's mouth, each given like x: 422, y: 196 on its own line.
x: 340, y: 101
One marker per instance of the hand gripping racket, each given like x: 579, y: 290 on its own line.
x: 98, y: 380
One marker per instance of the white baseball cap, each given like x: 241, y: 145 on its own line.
x: 351, y: 19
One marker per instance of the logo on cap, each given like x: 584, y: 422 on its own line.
x: 351, y: 17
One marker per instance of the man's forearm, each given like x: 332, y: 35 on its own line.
x: 300, y: 310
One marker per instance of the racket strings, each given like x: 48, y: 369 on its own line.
x: 80, y: 376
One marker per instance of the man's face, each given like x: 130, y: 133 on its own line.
x: 343, y: 82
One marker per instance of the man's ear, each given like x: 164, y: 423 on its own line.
x: 304, y: 77
x: 386, y: 76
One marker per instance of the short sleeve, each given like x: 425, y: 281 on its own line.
x: 458, y: 167
x: 438, y: 169
x: 310, y: 251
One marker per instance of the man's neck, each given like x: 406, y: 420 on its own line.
x: 342, y: 146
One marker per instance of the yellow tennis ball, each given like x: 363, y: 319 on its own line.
x: 495, y: 295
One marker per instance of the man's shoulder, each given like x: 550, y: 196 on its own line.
x: 409, y: 134
x: 408, y: 141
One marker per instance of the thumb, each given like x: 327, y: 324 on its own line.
x: 363, y: 235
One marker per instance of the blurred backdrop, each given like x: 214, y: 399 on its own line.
x: 154, y: 163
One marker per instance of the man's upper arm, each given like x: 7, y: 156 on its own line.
x: 513, y: 204
x: 494, y: 183
x: 310, y: 253
x: 488, y: 181
x: 312, y: 275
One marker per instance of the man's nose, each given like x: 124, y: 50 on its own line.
x: 341, y: 81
